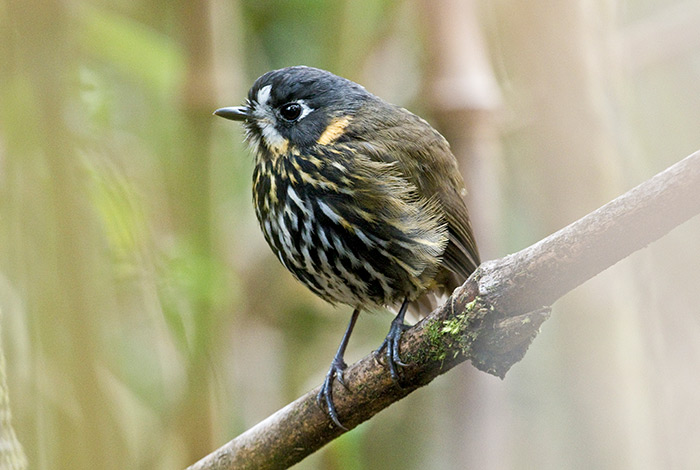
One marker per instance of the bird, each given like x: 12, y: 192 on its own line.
x: 361, y: 200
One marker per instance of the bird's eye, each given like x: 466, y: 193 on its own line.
x: 290, y: 111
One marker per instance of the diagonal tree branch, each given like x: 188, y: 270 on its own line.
x: 490, y: 320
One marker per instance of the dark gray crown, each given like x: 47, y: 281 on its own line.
x: 318, y: 87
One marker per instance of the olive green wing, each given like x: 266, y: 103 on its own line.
x: 425, y: 159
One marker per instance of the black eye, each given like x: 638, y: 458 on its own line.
x: 290, y: 111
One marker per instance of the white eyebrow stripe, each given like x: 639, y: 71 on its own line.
x: 264, y: 95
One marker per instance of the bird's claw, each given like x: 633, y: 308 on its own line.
x: 391, y: 344
x: 325, y: 395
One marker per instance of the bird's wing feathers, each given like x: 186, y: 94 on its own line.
x: 425, y: 159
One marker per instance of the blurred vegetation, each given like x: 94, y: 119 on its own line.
x: 144, y: 320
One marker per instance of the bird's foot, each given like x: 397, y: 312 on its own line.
x: 391, y: 344
x: 325, y: 395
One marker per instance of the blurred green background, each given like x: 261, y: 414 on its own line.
x: 145, y: 322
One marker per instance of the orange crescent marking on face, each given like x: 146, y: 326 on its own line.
x: 334, y: 130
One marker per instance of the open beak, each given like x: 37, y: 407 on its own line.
x: 234, y: 113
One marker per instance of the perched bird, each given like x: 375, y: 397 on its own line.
x: 360, y: 199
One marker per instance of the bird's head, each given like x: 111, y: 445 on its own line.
x: 297, y: 107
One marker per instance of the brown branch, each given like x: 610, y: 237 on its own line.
x: 490, y: 320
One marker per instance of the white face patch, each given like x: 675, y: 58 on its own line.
x: 272, y: 138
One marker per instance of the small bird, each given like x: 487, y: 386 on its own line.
x: 360, y: 199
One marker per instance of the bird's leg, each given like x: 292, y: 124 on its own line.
x: 325, y: 395
x: 391, y: 342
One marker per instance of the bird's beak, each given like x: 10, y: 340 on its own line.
x: 234, y: 113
